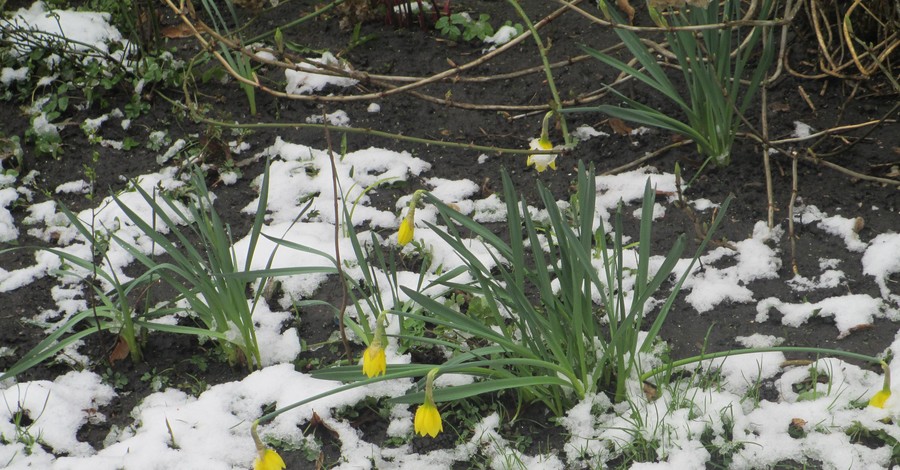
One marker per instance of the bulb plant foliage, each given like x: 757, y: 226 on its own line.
x: 552, y: 344
x: 561, y: 346
x: 722, y: 68
x: 201, y: 269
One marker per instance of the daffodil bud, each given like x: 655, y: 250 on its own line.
x: 374, y: 361
x: 878, y: 400
x: 408, y: 224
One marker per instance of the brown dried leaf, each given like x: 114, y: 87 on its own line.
x: 650, y: 391
x: 627, y: 9
x: 779, y: 107
x: 177, y: 32
x: 798, y: 423
x: 618, y: 126
x: 119, y: 352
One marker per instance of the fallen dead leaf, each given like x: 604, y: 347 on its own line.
x: 627, y: 9
x: 779, y: 107
x: 618, y: 126
x: 119, y: 352
x: 177, y: 32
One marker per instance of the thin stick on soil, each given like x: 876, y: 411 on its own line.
x: 647, y: 156
x: 791, y: 235
x: 337, y: 244
x: 767, y: 165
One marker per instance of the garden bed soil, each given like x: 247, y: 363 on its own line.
x: 416, y: 52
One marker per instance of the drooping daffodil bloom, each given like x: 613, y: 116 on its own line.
x: 881, y: 397
x: 428, y: 418
x: 266, y: 458
x: 374, y: 362
x: 407, y: 228
x: 408, y: 224
x: 541, y: 161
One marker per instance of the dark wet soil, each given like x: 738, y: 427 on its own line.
x: 416, y: 52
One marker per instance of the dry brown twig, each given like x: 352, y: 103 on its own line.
x: 837, y: 38
x: 293, y: 62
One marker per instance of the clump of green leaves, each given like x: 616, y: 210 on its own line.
x: 715, y: 63
x: 461, y: 25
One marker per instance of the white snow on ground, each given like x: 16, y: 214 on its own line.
x: 306, y: 80
x: 881, y: 259
x: 211, y: 431
x: 849, y: 311
x: 502, y: 36
x: 754, y: 259
x: 87, y: 28
x: 836, y: 225
x: 585, y: 132
x: 8, y: 195
x: 829, y: 279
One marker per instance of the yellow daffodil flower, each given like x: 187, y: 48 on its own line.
x: 374, y: 362
x: 428, y: 418
x: 541, y: 161
x: 544, y: 160
x: 266, y: 459
x: 878, y: 400
x: 407, y: 227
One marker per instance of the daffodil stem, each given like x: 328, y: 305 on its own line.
x: 545, y: 127
x: 548, y: 71
x: 414, y: 202
x: 260, y: 447
x: 379, y: 330
x: 737, y: 352
x: 429, y: 385
x: 887, y: 377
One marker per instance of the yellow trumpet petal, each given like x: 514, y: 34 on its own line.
x: 428, y: 420
x: 405, y: 234
x: 541, y: 161
x: 880, y: 398
x: 374, y: 362
x: 268, y: 459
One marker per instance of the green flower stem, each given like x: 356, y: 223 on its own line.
x: 379, y: 330
x: 737, y: 352
x: 548, y: 71
x: 429, y: 385
x: 886, y: 387
x: 413, y: 203
x: 260, y: 447
x: 545, y: 128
